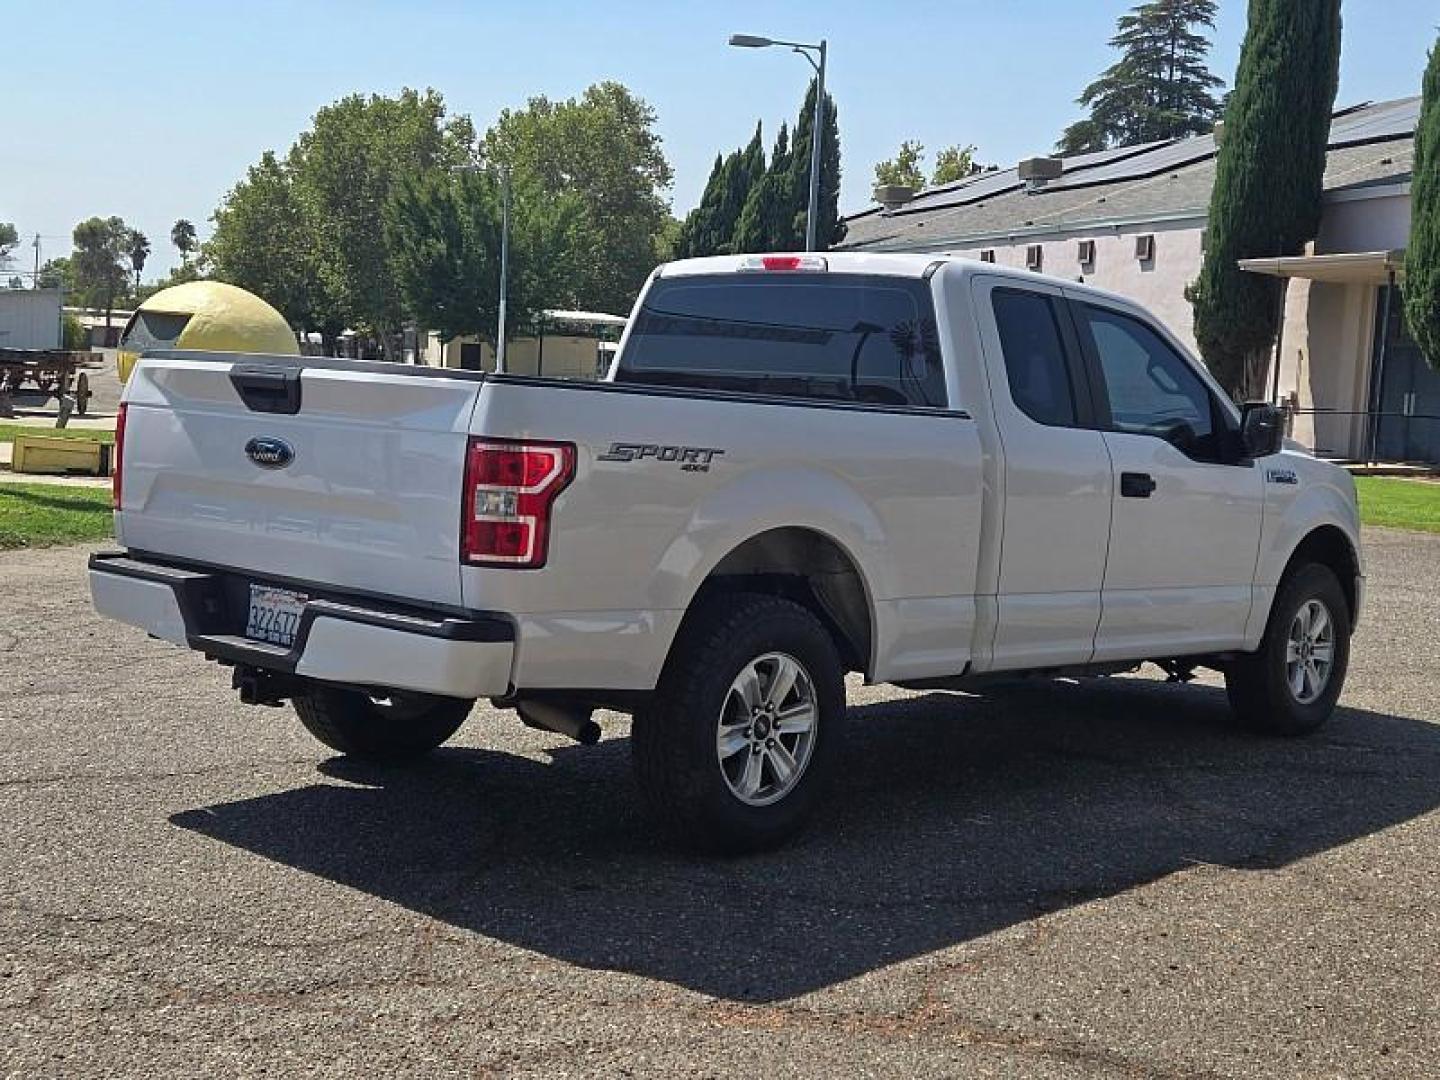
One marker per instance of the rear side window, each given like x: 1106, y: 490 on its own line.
x: 833, y: 337
x: 152, y: 330
x: 1034, y: 357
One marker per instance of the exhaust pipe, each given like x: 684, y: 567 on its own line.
x: 562, y: 718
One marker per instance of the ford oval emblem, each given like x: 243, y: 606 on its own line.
x: 269, y: 453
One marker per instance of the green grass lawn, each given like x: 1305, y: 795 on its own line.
x: 9, y: 431
x: 41, y: 515
x: 1404, y: 504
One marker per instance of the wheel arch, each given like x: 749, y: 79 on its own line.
x: 810, y: 567
x: 1329, y: 546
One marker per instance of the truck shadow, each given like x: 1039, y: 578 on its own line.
x: 952, y: 817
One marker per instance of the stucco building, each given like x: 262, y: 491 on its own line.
x: 1133, y: 220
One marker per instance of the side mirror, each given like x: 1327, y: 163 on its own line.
x: 1262, y: 429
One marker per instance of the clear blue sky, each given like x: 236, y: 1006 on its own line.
x: 152, y: 110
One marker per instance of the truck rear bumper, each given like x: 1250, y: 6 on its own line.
x: 350, y: 641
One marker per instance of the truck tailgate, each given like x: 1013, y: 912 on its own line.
x: 369, y: 500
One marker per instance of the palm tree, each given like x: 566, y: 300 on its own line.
x: 182, y: 235
x: 138, y: 246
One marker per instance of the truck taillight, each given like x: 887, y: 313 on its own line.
x: 115, y: 475
x: 509, y: 490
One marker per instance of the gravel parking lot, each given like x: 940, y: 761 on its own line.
x: 1050, y: 880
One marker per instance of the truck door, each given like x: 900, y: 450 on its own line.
x: 1056, y: 477
x: 1185, y: 528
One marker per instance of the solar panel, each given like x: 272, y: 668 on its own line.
x: 987, y: 185
x: 1390, y: 120
x: 1165, y: 158
x: 1357, y: 124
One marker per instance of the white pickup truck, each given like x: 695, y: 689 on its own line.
x: 926, y: 470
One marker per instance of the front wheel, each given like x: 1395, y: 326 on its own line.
x: 391, y: 728
x: 733, y: 751
x: 1289, y: 685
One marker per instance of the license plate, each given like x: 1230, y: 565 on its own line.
x: 274, y: 614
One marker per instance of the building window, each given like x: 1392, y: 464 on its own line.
x: 1145, y: 247
x: 987, y: 255
x: 1086, y: 253
x: 1035, y: 257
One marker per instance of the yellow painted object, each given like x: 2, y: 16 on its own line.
x: 58, y: 457
x: 207, y: 315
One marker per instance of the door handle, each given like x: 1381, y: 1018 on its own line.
x: 1136, y: 485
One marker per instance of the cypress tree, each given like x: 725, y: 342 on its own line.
x: 766, y: 222
x: 1422, y: 257
x: 832, y: 229
x: 709, y: 229
x: 696, y: 228
x: 1269, y: 177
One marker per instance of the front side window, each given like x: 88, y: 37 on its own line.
x: 1151, y: 389
x: 835, y: 337
x: 1034, y: 356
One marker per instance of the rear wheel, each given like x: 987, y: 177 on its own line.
x: 733, y: 751
x: 377, y: 728
x: 1289, y: 685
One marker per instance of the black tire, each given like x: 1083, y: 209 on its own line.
x: 1258, y: 685
x: 401, y: 727
x: 674, y: 737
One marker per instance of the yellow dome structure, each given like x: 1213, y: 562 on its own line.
x: 207, y: 315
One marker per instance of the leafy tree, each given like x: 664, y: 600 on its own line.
x: 602, y: 147
x: 767, y: 222
x: 955, y: 163
x: 263, y: 242
x: 57, y: 274
x: 137, y: 250
x: 444, y: 234
x: 1268, y: 181
x: 1422, y: 257
x: 9, y: 240
x: 904, y: 168
x: 343, y: 170
x: 191, y: 271
x: 831, y: 229
x: 101, y: 246
x: 1160, y: 87
x: 182, y: 235
x: 72, y: 333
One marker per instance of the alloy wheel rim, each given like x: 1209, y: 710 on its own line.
x: 1310, y: 652
x: 765, y: 735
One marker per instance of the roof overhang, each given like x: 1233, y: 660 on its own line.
x: 1351, y: 267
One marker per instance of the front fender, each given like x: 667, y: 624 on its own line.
x: 1324, y: 497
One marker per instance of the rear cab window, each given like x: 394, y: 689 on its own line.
x: 857, y: 338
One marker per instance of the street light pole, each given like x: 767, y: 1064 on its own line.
x: 504, y: 265
x: 504, y: 256
x: 812, y: 214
